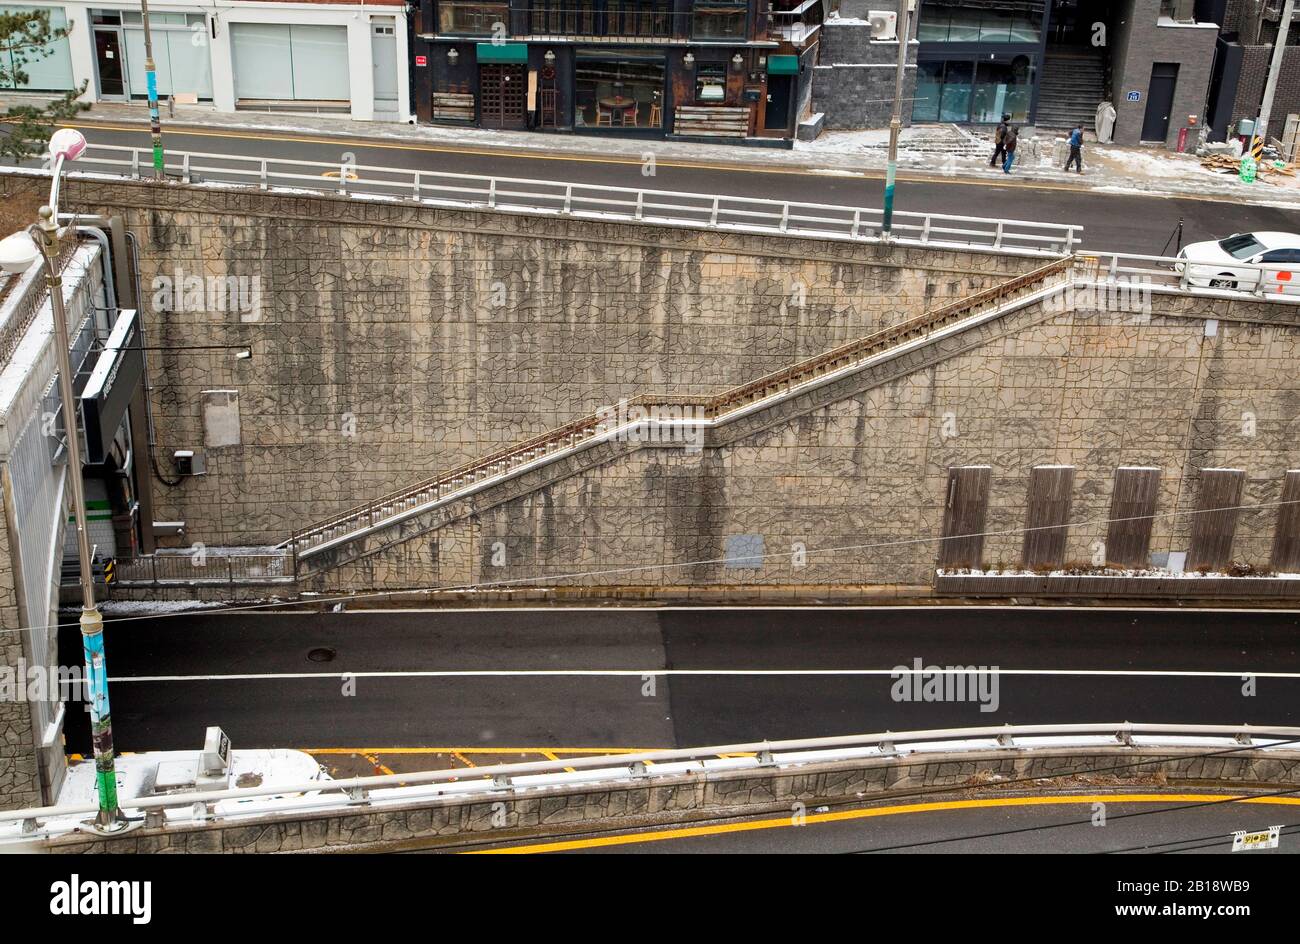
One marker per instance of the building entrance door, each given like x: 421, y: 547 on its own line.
x: 777, y: 115
x: 1160, y: 101
x: 108, y: 59
x: 503, y: 94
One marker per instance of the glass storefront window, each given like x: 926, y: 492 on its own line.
x: 711, y: 83
x: 929, y: 85
x: 48, y: 68
x: 954, y: 103
x: 618, y: 92
x: 959, y: 21
x: 1002, y: 89
x: 967, y: 90
x: 711, y: 19
x: 475, y: 19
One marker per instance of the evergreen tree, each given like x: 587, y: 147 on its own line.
x: 26, y: 129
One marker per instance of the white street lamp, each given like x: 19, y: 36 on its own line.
x: 18, y: 253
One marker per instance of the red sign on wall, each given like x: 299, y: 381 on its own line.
x: 422, y: 61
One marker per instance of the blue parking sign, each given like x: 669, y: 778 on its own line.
x: 1135, y: 96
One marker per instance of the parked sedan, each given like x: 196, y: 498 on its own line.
x: 1225, y: 263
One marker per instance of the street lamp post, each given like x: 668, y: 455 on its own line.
x: 896, y: 120
x: 17, y: 254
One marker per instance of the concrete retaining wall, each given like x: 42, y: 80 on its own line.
x: 392, y: 341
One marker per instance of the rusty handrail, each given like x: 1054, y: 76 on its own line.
x: 711, y: 406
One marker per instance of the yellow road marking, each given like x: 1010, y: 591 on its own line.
x: 844, y: 815
x: 374, y: 760
x: 865, y: 174
x: 550, y: 755
x: 481, y: 750
x: 462, y: 758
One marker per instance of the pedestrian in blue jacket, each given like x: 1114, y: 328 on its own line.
x: 1076, y: 149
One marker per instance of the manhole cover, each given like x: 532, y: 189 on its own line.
x: 322, y: 654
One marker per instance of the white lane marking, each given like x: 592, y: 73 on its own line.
x: 758, y: 609
x: 639, y: 673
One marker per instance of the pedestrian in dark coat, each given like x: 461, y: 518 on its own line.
x: 999, y: 133
x: 1009, y: 142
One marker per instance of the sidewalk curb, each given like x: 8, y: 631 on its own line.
x: 813, y: 166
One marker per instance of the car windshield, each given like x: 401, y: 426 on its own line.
x: 1241, y: 246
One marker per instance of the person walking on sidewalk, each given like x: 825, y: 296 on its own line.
x: 998, y: 136
x: 1076, y: 149
x: 1009, y: 141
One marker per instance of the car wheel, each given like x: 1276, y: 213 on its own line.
x: 1225, y: 280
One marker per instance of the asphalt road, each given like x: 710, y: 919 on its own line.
x: 1113, y: 221
x: 1168, y: 823
x: 642, y: 679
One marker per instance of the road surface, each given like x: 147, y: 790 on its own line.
x: 583, y: 679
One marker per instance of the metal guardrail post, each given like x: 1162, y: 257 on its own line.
x: 785, y: 217
x: 640, y: 204
x: 415, y: 191
x: 713, y: 217
x: 997, y: 236
x: 1069, y: 239
x: 135, y: 163
x: 263, y: 181
x: 857, y: 223
x: 925, y: 229
x: 492, y: 192
x: 185, y: 168
x: 343, y: 178
x: 568, y: 198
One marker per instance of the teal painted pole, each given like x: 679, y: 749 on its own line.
x: 151, y: 86
x: 896, y: 121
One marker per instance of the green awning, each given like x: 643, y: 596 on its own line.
x: 782, y: 65
x: 503, y: 52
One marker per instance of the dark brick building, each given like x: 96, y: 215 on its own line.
x: 720, y: 70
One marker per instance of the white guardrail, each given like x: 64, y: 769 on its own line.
x: 591, y: 201
x: 225, y: 806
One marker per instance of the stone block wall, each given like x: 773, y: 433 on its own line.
x: 856, y: 473
x: 853, y: 82
x: 392, y: 341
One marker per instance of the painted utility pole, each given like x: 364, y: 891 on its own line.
x: 92, y: 623
x: 896, y: 120
x: 151, y: 84
x: 1274, y: 71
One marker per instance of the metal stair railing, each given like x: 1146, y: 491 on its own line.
x: 370, y: 514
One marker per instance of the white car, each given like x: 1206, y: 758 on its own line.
x: 1220, y: 263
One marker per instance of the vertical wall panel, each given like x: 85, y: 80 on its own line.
x: 1048, y: 515
x: 1286, y: 539
x: 1132, y: 510
x: 965, y: 508
x: 1215, y: 523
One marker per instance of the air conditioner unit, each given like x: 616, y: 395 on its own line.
x: 884, y: 24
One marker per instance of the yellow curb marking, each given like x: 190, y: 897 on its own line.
x: 845, y: 815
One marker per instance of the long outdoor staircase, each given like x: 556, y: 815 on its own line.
x: 1073, y: 84
x: 312, y: 547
